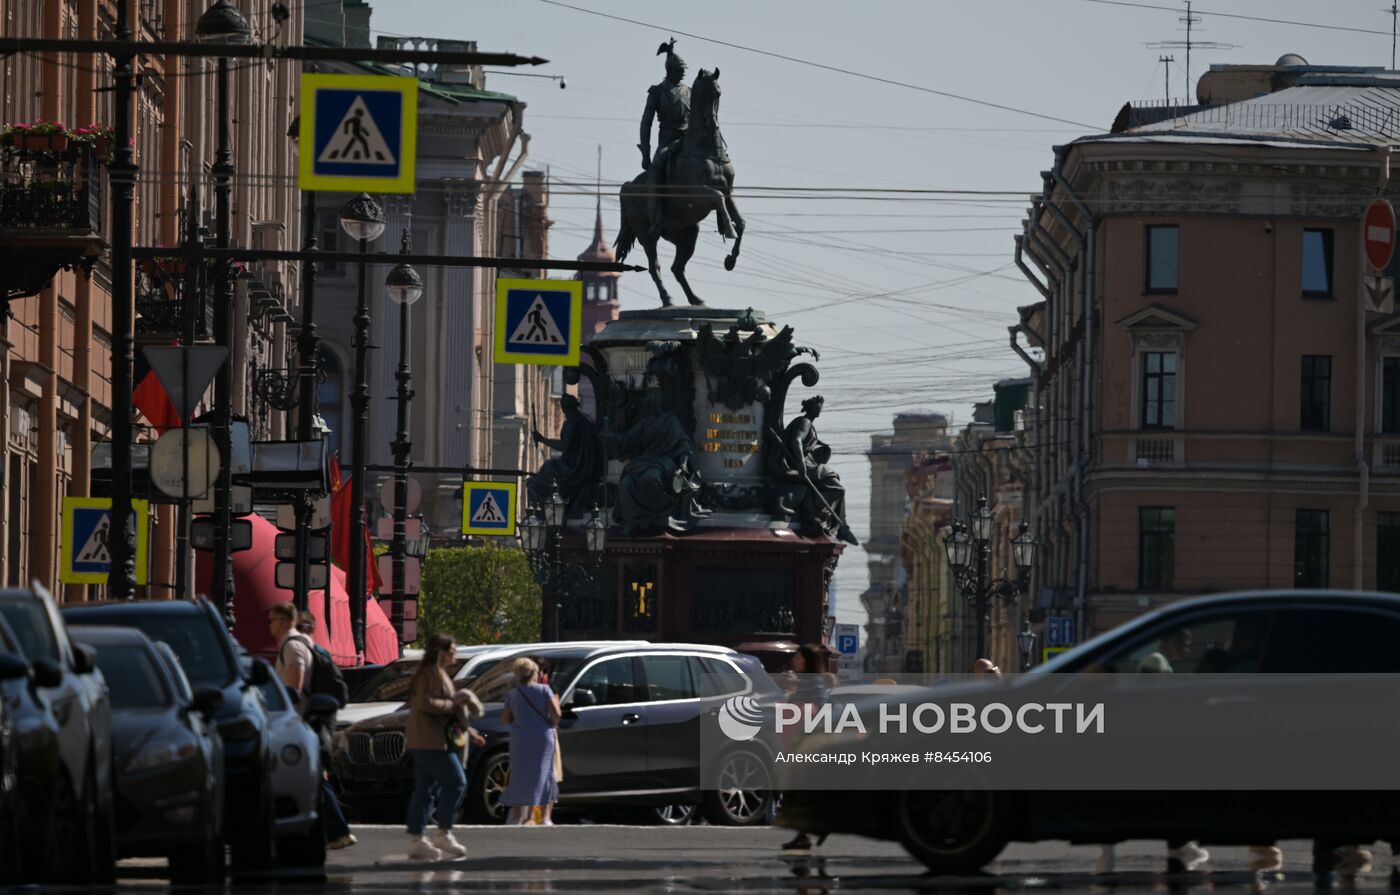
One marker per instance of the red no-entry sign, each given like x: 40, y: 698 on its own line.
x: 1378, y: 233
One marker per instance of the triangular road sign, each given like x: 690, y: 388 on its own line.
x: 168, y: 362
x: 537, y: 327
x: 95, y: 548
x: 357, y: 139
x: 488, y: 510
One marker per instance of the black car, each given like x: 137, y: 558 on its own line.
x: 29, y: 766
x: 169, y: 757
x: 628, y: 736
x: 1340, y: 638
x: 79, y: 831
x: 209, y: 657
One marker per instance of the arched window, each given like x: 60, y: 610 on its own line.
x: 330, y: 395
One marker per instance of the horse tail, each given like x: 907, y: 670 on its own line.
x: 626, y: 237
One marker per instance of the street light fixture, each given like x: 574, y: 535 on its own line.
x: 222, y: 23
x: 362, y: 219
x: 1026, y: 641
x: 542, y: 536
x: 595, y: 534
x: 1023, y: 548
x: 532, y: 533
x: 959, y: 547
x: 556, y: 510
x: 981, y: 522
x: 972, y: 573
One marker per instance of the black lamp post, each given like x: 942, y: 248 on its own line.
x: 1026, y: 641
x: 362, y: 219
x: 972, y: 573
x: 223, y: 24
x: 542, y: 536
x: 405, y: 287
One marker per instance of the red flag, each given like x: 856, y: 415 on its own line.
x: 150, y: 397
x: 342, y: 509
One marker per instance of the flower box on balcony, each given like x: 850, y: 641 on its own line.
x: 42, y: 142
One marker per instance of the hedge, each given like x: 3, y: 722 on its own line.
x: 481, y: 594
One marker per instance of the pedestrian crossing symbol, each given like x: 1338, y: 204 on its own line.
x: 87, y: 539
x: 538, y: 321
x: 360, y: 131
x: 488, y: 508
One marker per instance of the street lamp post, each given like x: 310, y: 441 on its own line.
x: 405, y: 287
x: 1026, y: 641
x: 542, y: 536
x: 224, y: 25
x: 362, y: 219
x: 973, y: 573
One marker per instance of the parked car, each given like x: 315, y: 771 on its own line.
x: 80, y: 841
x: 296, y: 775
x: 1291, y: 633
x: 29, y: 763
x: 209, y: 656
x: 169, y: 757
x: 629, y: 733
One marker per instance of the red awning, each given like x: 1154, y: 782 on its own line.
x: 254, y: 578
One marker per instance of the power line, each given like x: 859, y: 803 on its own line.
x: 1235, y: 15
x: 821, y: 65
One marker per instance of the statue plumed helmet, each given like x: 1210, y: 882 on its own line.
x: 674, y: 63
x: 813, y: 403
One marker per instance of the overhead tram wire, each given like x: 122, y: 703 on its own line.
x: 1233, y: 15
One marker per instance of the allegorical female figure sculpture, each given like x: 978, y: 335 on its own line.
x: 806, y: 457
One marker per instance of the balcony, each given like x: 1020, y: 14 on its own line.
x: 1160, y: 450
x: 51, y: 215
x: 159, y: 308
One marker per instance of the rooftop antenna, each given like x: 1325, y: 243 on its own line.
x: 1167, y: 75
x: 600, y: 179
x: 1394, y: 11
x: 1191, y: 20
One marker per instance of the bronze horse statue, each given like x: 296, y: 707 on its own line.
x: 700, y: 181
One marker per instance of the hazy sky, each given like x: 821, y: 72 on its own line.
x: 906, y: 295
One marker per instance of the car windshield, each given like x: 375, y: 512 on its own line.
x: 205, y: 660
x: 391, y: 684
x: 496, y: 676
x: 132, y: 677
x: 30, y: 623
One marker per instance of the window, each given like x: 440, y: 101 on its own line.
x: 1162, y: 258
x: 133, y: 681
x: 31, y: 626
x: 1390, y: 395
x: 1310, y: 549
x: 1156, y: 547
x: 1159, y: 390
x: 613, y: 682
x: 1334, y: 641
x: 1213, y: 644
x: 328, y: 240
x: 1315, y: 409
x: 716, y: 677
x: 1388, y: 552
x: 1317, y: 262
x: 668, y: 677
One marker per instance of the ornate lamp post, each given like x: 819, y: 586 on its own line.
x: 1026, y: 641
x: 969, y: 550
x: 542, y: 536
x: 405, y: 287
x: 222, y: 24
x: 362, y: 219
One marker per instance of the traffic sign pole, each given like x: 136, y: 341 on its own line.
x: 1377, y: 248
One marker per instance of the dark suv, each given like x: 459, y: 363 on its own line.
x: 209, y: 657
x: 629, y: 736
x: 29, y: 766
x: 78, y: 836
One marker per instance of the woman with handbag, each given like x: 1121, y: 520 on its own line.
x: 434, y: 737
x: 532, y: 713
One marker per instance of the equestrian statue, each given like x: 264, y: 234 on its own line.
x: 689, y: 176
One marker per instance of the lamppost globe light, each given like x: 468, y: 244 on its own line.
x: 595, y: 533
x: 532, y: 532
x: 1026, y: 641
x: 362, y: 218
x: 1023, y: 548
x: 556, y: 510
x: 404, y: 285
x: 982, y: 519
x: 222, y: 23
x: 958, y: 546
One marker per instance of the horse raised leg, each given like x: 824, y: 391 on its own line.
x: 685, y: 248
x: 738, y: 220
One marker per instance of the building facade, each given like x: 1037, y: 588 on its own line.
x: 1217, y: 409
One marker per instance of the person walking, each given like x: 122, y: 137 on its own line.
x: 532, y: 713
x: 434, y: 739
x: 813, y: 688
x: 333, y: 822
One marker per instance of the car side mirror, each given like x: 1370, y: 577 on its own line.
x: 84, y: 658
x: 12, y: 667
x: 206, y: 701
x: 259, y: 675
x: 583, y: 698
x: 47, y: 673
x: 320, y: 707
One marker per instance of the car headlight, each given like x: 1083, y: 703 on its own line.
x: 239, y: 729
x: 291, y: 753
x: 159, y: 754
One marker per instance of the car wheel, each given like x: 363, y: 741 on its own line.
x: 492, y: 775
x: 669, y: 815
x: 70, y: 838
x: 305, y: 850
x: 255, y: 844
x: 743, y: 793
x: 953, y: 831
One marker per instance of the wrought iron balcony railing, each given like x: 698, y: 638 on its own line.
x: 160, y: 305
x: 51, y: 215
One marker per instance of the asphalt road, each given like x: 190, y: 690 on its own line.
x: 601, y: 859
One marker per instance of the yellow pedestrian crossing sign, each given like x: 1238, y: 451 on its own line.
x: 538, y: 321
x: 358, y: 133
x: 488, y: 508
x: 87, y: 537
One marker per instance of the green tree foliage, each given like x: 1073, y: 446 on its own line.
x: 479, y: 595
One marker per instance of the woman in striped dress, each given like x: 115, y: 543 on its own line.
x: 532, y: 713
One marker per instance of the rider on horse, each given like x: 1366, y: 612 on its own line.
x: 669, y: 102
